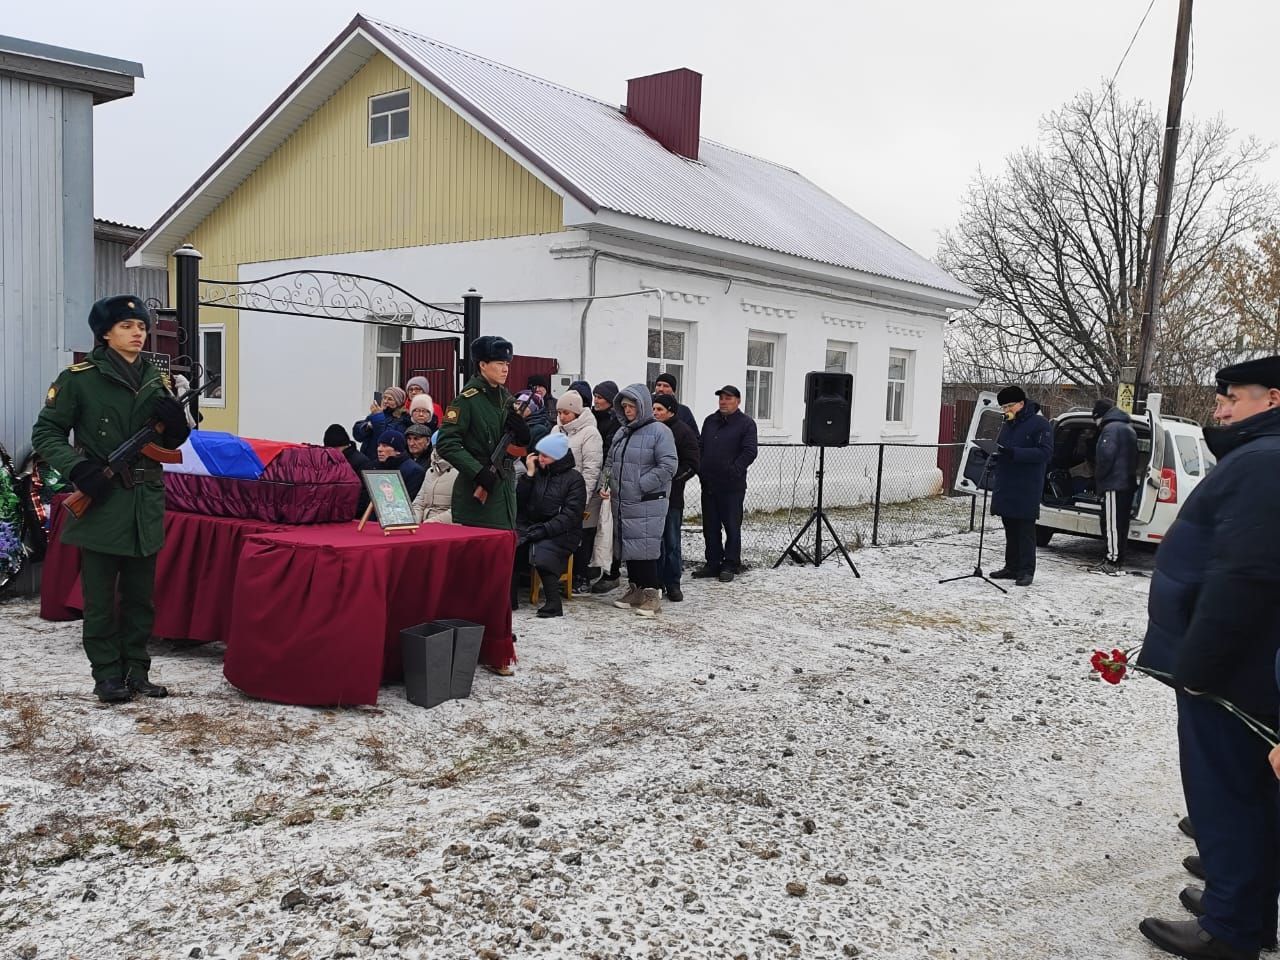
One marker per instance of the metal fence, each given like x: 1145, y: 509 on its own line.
x: 873, y: 494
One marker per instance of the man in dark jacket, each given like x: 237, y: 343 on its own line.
x: 335, y: 436
x: 688, y: 456
x: 1115, y: 478
x: 393, y: 454
x: 665, y: 386
x: 727, y: 447
x: 607, y: 419
x: 1023, y: 450
x: 540, y: 384
x: 1214, y: 628
x: 549, y: 507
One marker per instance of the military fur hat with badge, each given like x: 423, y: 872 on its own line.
x: 109, y: 311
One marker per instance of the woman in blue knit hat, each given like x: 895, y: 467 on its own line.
x: 549, y: 507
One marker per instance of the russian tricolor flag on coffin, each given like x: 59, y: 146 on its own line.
x: 212, y: 453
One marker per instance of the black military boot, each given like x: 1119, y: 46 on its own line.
x: 553, y: 607
x: 139, y: 684
x: 112, y: 690
x: 1004, y: 573
x: 1194, y: 866
x: 1186, y: 938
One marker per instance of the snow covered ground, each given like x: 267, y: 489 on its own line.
x: 799, y: 764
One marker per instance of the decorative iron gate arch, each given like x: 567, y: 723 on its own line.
x: 321, y: 294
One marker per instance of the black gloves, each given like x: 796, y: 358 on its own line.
x: 169, y: 411
x: 487, y: 478
x: 537, y: 531
x: 519, y: 429
x: 89, y: 479
x: 1002, y: 450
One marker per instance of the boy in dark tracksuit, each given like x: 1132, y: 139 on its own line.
x: 1115, y: 479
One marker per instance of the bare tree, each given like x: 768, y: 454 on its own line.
x: 1251, y: 290
x: 1058, y: 245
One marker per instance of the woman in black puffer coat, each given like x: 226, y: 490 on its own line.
x: 550, y: 503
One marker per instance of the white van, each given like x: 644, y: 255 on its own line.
x: 1172, y: 459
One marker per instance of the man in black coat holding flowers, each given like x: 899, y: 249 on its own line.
x: 1214, y: 629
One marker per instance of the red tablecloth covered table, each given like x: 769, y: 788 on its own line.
x: 311, y: 614
x: 318, y: 610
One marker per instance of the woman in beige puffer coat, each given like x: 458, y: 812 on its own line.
x: 588, y: 456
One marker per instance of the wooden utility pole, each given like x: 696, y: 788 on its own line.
x: 1164, y: 198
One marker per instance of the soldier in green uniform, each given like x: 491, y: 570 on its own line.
x: 473, y: 424
x: 105, y: 400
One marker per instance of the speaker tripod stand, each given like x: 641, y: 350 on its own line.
x: 982, y: 527
x: 817, y: 520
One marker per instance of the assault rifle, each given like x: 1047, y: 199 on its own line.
x: 142, y: 443
x: 505, y: 448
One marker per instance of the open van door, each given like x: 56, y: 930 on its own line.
x: 1150, y: 491
x: 985, y: 425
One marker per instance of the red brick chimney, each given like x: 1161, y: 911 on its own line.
x: 668, y: 106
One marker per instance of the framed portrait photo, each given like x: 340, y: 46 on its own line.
x: 389, y: 500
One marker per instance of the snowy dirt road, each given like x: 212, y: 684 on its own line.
x: 798, y: 764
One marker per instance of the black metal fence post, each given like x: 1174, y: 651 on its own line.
x: 470, y: 331
x: 187, y: 259
x: 875, y: 521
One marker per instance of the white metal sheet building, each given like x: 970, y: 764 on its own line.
x: 47, y: 96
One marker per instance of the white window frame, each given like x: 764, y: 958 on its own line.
x: 909, y: 358
x: 372, y: 114
x: 850, y: 348
x: 684, y: 375
x: 775, y: 389
x: 374, y: 352
x: 221, y: 330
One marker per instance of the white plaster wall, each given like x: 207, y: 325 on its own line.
x: 721, y: 321
x: 299, y: 374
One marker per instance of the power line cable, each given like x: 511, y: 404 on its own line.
x: 1131, y: 41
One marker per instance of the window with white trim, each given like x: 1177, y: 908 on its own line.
x: 897, y: 404
x: 213, y: 357
x: 670, y: 351
x: 760, y: 393
x: 842, y: 357
x: 389, y: 117
x: 386, y: 369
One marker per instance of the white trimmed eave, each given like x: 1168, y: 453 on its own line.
x: 679, y: 238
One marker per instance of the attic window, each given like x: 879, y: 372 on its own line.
x: 389, y: 117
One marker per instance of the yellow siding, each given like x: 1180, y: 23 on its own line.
x: 326, y: 191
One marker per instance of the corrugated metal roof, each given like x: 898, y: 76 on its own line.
x: 585, y: 146
x: 619, y: 167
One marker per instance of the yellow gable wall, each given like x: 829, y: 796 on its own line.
x: 327, y: 191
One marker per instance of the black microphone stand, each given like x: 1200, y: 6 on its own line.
x: 982, y: 531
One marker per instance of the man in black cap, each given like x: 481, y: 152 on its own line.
x: 105, y: 400
x: 1115, y: 478
x: 336, y: 437
x: 666, y: 386
x: 728, y: 448
x: 1214, y: 628
x: 540, y: 384
x: 1023, y: 450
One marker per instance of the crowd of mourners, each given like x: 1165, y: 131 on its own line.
x: 600, y: 486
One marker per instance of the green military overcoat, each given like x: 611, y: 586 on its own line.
x: 95, y: 401
x: 471, y: 429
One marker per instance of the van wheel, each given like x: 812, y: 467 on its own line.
x: 1043, y: 535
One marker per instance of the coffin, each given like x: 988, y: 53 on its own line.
x: 223, y: 475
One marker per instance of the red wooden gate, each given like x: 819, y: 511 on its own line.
x: 437, y: 360
x: 522, y: 368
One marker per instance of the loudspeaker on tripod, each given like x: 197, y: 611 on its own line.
x: 828, y: 408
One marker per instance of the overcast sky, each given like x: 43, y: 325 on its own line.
x: 891, y: 105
